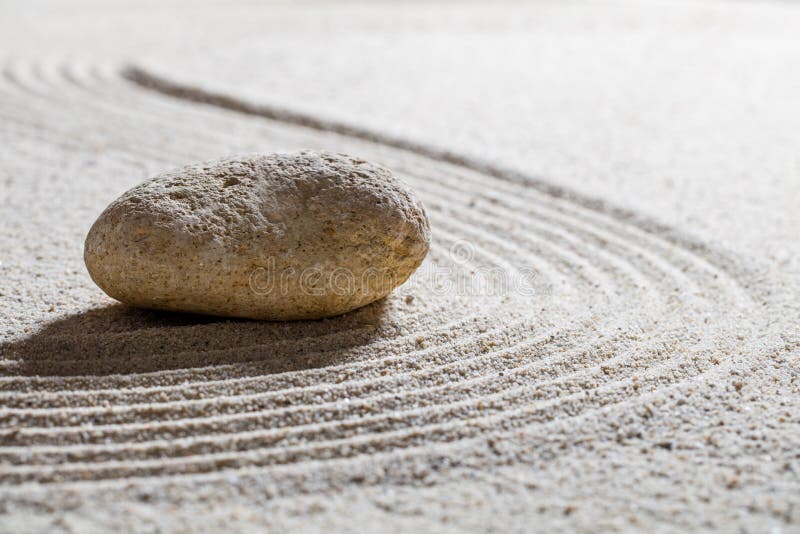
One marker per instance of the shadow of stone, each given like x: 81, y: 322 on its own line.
x: 119, y: 340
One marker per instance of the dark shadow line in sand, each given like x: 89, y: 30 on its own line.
x: 119, y: 340
x: 745, y: 273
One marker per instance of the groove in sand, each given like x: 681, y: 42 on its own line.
x: 297, y: 400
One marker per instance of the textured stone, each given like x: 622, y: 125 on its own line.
x: 283, y: 236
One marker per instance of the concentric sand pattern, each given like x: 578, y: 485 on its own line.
x: 536, y: 307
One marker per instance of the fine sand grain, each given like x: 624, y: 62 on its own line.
x: 560, y: 360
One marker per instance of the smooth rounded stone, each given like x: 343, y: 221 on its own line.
x: 282, y: 236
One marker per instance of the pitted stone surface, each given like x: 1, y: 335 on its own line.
x: 282, y: 236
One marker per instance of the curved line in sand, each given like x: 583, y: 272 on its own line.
x: 584, y: 243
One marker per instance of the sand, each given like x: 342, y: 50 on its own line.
x: 604, y: 335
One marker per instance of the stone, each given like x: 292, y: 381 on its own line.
x: 279, y: 237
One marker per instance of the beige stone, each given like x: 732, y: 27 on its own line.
x: 281, y: 236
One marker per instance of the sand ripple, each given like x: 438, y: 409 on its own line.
x: 620, y: 310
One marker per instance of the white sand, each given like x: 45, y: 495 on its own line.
x: 642, y: 160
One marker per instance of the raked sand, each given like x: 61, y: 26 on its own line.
x: 604, y: 334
